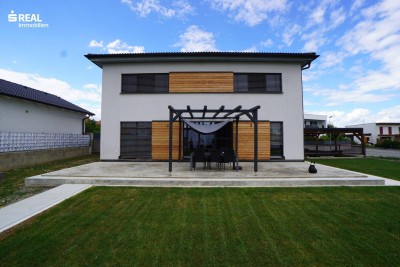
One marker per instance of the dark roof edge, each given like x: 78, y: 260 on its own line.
x: 303, y: 58
x: 79, y: 109
x: 15, y: 90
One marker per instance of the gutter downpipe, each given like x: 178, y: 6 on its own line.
x: 83, y: 123
x: 307, y: 66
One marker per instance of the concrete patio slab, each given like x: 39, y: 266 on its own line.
x: 156, y: 174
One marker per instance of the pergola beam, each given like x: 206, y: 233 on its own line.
x: 237, y: 109
x: 204, y: 111
x: 218, y: 111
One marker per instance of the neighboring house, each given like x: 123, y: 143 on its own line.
x: 32, y: 120
x: 139, y: 88
x: 315, y: 121
x: 380, y: 131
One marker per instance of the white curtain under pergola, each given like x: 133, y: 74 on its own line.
x: 208, y: 128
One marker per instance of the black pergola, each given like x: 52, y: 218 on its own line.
x: 214, y: 115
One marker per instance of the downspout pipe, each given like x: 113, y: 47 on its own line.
x: 307, y: 66
x: 83, y: 123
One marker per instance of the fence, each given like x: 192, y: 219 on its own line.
x: 326, y: 148
x: 13, y: 142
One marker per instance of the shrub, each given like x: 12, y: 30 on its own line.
x: 389, y: 144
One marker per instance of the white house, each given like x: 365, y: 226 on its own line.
x: 315, y: 121
x: 27, y: 110
x: 380, y: 131
x: 139, y: 88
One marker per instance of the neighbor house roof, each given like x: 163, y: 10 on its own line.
x: 304, y: 59
x: 23, y: 92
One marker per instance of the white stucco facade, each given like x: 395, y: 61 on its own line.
x: 286, y: 107
x: 18, y: 115
x: 315, y: 121
x: 379, y: 130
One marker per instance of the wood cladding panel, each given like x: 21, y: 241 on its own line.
x: 160, y: 140
x: 246, y: 140
x: 201, y: 82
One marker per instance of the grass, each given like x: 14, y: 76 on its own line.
x: 384, y: 167
x: 109, y: 226
x: 12, y: 187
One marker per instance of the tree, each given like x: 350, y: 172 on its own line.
x: 92, y: 126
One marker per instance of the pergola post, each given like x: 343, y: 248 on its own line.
x: 237, y: 136
x: 180, y: 139
x: 362, y: 142
x: 171, y: 120
x: 255, y: 121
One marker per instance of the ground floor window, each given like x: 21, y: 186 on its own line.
x: 221, y: 139
x: 276, y: 140
x: 135, y: 140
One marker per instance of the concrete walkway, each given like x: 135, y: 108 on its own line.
x: 18, y: 212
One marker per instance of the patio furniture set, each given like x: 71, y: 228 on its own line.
x: 220, y: 157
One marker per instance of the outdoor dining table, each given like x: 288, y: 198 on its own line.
x: 206, y: 159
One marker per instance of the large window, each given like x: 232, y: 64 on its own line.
x: 221, y: 139
x: 258, y: 82
x: 276, y: 140
x: 144, y: 83
x: 135, y: 140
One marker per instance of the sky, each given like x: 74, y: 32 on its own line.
x: 355, y: 80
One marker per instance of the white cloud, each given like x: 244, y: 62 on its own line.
x: 288, y: 34
x: 117, y: 47
x: 267, y: 43
x: 94, y: 43
x: 143, y: 8
x: 330, y: 59
x: 377, y: 35
x: 195, y: 39
x: 391, y: 114
x: 251, y: 12
x: 360, y: 115
x: 356, y: 6
x: 317, y: 16
x: 325, y: 16
x: 88, y: 94
x: 250, y: 50
x: 314, y: 40
x: 337, y: 17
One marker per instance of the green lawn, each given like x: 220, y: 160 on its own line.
x: 12, y: 187
x: 384, y: 167
x: 111, y: 226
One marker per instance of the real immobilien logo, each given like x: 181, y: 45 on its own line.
x: 32, y: 20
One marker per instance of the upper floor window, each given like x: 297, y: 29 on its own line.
x: 145, y: 83
x: 258, y: 82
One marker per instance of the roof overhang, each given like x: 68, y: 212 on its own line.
x: 304, y: 59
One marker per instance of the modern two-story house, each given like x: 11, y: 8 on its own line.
x: 140, y: 90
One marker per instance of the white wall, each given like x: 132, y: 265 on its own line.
x: 117, y: 107
x: 17, y: 115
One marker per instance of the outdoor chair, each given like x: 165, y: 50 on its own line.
x: 228, y: 157
x: 215, y: 156
x: 199, y: 156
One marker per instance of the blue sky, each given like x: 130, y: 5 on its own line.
x: 356, y: 79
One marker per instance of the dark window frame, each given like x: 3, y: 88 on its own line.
x: 256, y: 83
x: 282, y: 139
x: 136, y: 140
x: 144, y: 83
